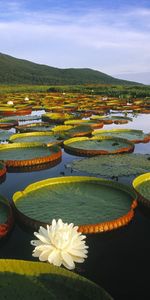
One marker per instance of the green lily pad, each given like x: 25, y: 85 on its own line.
x: 42, y: 281
x: 92, y: 123
x: 42, y: 137
x: 57, y: 118
x: 132, y: 135
x: 22, y: 118
x: 98, y: 145
x: 142, y: 185
x: 27, y: 154
x: 52, y: 198
x: 75, y: 131
x: 42, y: 126
x: 113, y: 165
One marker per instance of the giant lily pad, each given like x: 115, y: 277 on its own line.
x: 41, y: 126
x: 75, y: 131
x: 22, y: 118
x: 13, y: 111
x: 142, y: 185
x: 61, y: 128
x: 42, y: 137
x: 135, y: 136
x: 111, y: 119
x: 98, y: 145
x: 36, y: 280
x: 113, y: 165
x: 93, y: 124
x: 110, y: 204
x: 6, y: 217
x: 57, y: 118
x: 28, y: 154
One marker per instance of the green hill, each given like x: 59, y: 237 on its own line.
x: 18, y: 71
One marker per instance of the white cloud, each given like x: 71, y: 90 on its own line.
x: 103, y: 40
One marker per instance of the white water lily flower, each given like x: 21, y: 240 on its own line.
x: 10, y: 102
x: 26, y: 99
x: 60, y: 244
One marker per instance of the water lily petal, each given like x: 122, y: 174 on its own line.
x: 67, y: 258
x: 44, y: 255
x: 77, y: 253
x: 42, y: 238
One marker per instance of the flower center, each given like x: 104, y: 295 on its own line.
x: 61, y: 240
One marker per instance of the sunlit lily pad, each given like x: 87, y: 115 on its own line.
x: 15, y: 111
x: 23, y: 118
x: 113, y: 165
x: 92, y: 123
x: 97, y: 145
x: 71, y: 198
x: 142, y: 185
x: 61, y: 128
x: 111, y: 119
x: 135, y: 136
x: 41, y: 126
x: 28, y: 154
x: 76, y: 131
x: 42, y: 137
x: 57, y: 118
x: 36, y: 280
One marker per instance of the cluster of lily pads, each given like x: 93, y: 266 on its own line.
x: 33, y: 131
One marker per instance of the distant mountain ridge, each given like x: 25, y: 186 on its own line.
x: 20, y: 71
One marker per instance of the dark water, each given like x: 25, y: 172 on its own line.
x: 119, y: 261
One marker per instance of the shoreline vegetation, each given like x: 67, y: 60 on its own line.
x: 109, y: 90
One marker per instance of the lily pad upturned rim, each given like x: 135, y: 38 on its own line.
x: 88, y: 152
x: 85, y: 228
x: 6, y: 227
x: 56, y: 155
x: 42, y: 273
x: 96, y: 124
x: 34, y: 134
x: 115, y: 130
x: 32, y: 127
x: 136, y: 182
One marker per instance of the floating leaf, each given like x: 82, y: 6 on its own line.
x: 113, y: 165
x: 72, y: 198
x: 35, y: 280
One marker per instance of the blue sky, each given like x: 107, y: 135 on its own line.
x: 110, y: 36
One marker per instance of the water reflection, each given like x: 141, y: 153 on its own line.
x: 118, y: 260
